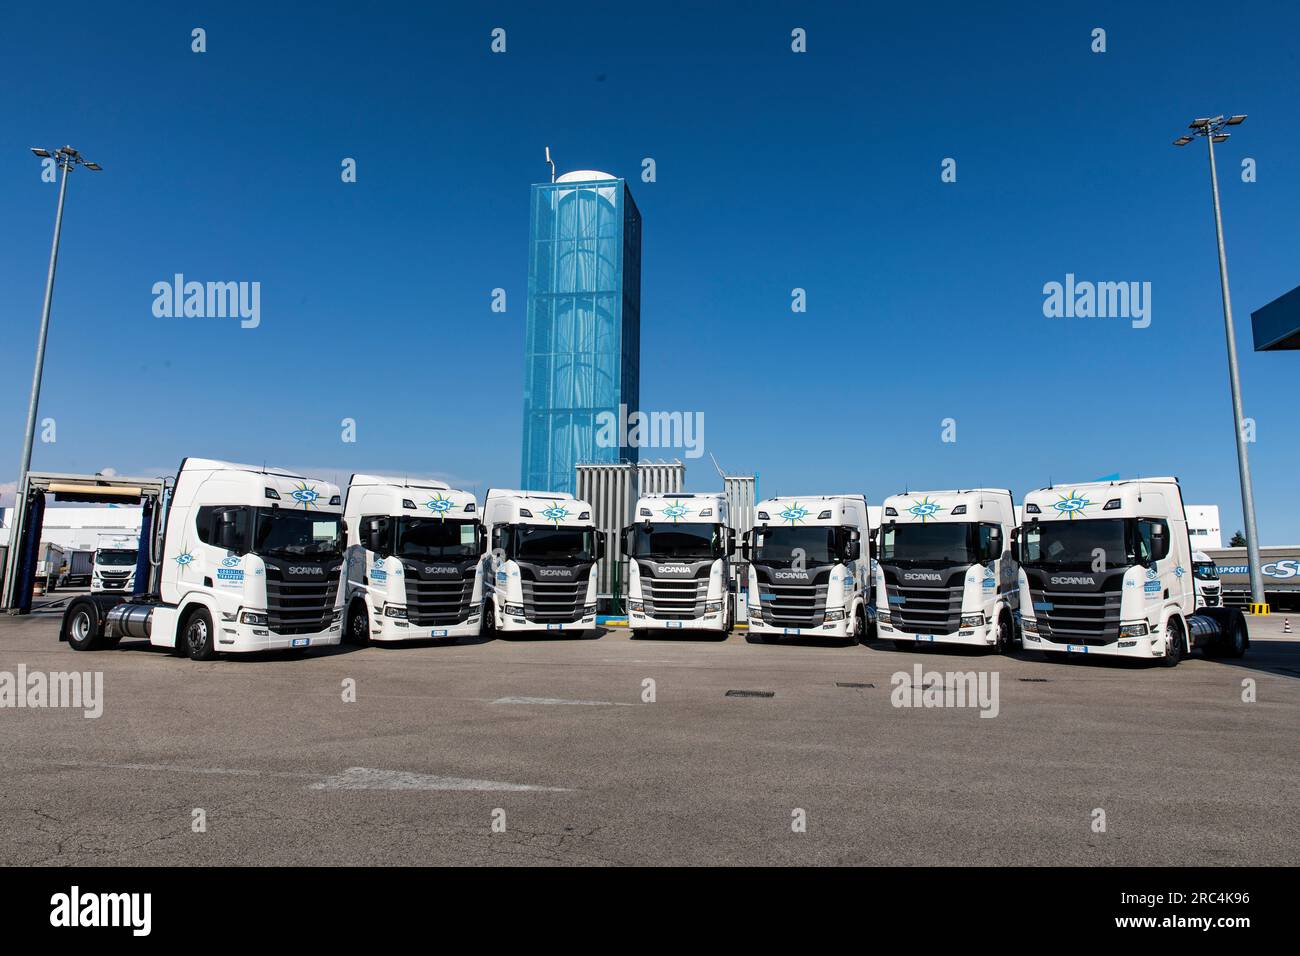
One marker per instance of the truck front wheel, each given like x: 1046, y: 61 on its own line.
x: 358, y: 628
x: 1005, y: 634
x: 1173, y: 643
x: 200, y: 642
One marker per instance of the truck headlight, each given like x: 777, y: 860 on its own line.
x: 835, y: 615
x: 882, y: 617
x: 256, y: 618
x: 515, y: 610
x: 337, y: 615
x: 588, y: 610
x: 972, y: 620
x: 1136, y: 629
x: 712, y: 607
x: 392, y: 610
x: 1029, y: 624
x: 636, y: 606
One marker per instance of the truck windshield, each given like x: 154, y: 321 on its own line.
x: 1078, y: 545
x: 777, y: 546
x: 939, y: 544
x: 297, y: 533
x: 427, y: 538
x: 115, y: 558
x: 1205, y: 571
x: 668, y: 540
x: 536, y: 543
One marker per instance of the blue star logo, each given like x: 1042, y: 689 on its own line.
x: 925, y: 509
x: 794, y: 513
x: 439, y: 505
x: 556, y: 513
x: 676, y: 511
x: 1072, y: 505
x: 306, y: 495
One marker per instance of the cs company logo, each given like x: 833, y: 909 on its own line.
x: 556, y: 513
x: 230, y: 561
x: 794, y: 513
x: 184, y: 558
x: 439, y: 505
x: 1072, y: 505
x: 306, y: 495
x: 676, y: 511
x: 925, y: 509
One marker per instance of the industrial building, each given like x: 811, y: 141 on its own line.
x: 582, y: 344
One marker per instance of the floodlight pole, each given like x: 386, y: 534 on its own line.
x: 1243, y: 461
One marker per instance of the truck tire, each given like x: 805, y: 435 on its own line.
x: 82, y: 627
x: 1235, y: 639
x: 199, y: 638
x: 1174, y: 644
x: 357, y: 627
x: 1006, y: 634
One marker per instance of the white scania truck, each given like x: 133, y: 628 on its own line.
x: 1106, y: 568
x: 808, y: 574
x: 115, y: 560
x: 414, y: 561
x: 242, y: 559
x: 944, y: 571
x: 540, y: 572
x: 679, y: 568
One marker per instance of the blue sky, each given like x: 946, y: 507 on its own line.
x: 775, y: 170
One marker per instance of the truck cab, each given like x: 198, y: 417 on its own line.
x: 1106, y: 569
x: 414, y: 561
x: 539, y: 573
x: 944, y: 571
x: 1205, y: 577
x: 242, y: 559
x: 679, y: 573
x: 115, y: 560
x: 808, y: 573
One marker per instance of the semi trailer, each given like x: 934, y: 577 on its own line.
x: 49, y: 566
x: 944, y: 571
x: 414, y: 561
x: 540, y: 572
x: 1106, y: 568
x: 115, y: 560
x: 679, y: 564
x: 808, y: 575
x: 79, y: 569
x: 241, y: 559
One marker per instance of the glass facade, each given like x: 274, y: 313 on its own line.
x: 582, y: 344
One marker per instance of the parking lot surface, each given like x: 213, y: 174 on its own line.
x: 611, y: 750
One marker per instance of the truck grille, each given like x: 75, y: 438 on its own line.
x: 555, y: 602
x: 933, y: 609
x: 299, y: 607
x: 793, y: 605
x: 1077, y: 617
x: 439, y: 602
x: 1211, y: 595
x: 674, y: 600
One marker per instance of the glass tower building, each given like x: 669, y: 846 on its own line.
x: 582, y: 342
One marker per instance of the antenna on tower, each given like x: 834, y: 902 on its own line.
x: 550, y: 162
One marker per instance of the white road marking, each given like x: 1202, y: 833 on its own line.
x: 557, y: 700
x: 354, y: 778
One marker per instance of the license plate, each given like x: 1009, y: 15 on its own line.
x: 300, y: 642
x: 555, y: 627
x: 791, y: 630
x: 674, y: 623
x: 925, y: 637
x: 1077, y: 648
x: 439, y: 634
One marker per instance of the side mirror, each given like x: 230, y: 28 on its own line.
x: 227, y: 532
x: 482, y: 541
x: 1015, y: 544
x: 1159, y: 542
x: 600, y: 545
x: 731, y: 541
x: 745, y: 545
x: 995, y: 543
x: 854, y: 551
x: 496, y: 538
